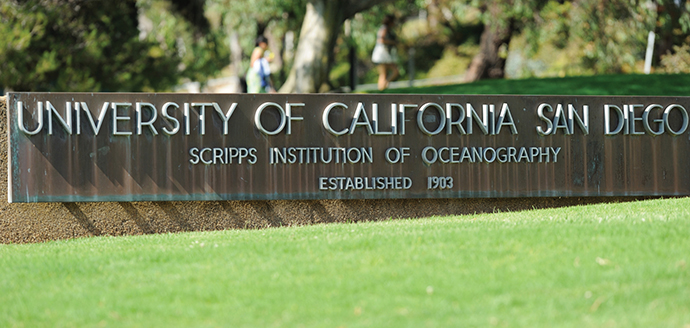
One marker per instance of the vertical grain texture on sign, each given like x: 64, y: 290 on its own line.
x: 80, y: 147
x: 37, y: 222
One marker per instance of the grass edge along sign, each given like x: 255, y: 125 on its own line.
x: 153, y: 147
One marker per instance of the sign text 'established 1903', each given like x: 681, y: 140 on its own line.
x: 135, y: 146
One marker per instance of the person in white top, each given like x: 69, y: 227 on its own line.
x: 385, y: 53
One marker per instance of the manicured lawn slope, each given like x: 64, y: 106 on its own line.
x: 606, y: 265
x: 650, y: 85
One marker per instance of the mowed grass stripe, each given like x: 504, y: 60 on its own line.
x: 597, y: 85
x: 606, y: 265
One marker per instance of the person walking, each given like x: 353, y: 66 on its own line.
x: 259, y: 74
x: 385, y: 53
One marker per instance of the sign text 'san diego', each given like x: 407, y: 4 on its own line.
x: 131, y: 147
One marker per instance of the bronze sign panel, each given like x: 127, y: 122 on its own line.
x: 135, y: 146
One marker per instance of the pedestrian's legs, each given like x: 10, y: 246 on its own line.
x: 383, y: 81
x: 394, y: 73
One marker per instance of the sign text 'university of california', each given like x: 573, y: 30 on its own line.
x: 135, y: 147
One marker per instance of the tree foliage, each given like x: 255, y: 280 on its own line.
x: 147, y: 45
x: 608, y: 31
x: 672, y: 26
x: 81, y: 45
x: 606, y: 36
x: 198, y: 56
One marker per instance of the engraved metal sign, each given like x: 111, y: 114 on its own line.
x: 136, y: 146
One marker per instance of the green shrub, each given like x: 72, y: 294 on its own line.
x: 678, y: 62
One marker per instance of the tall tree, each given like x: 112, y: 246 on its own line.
x: 502, y: 19
x: 606, y: 31
x: 672, y: 26
x: 489, y: 63
x: 193, y: 12
x: 69, y: 46
x: 322, y: 24
x: 84, y: 45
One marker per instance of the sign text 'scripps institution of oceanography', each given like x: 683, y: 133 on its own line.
x: 138, y: 146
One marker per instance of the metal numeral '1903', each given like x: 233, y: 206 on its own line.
x: 439, y: 182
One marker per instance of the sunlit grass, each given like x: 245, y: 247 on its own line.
x: 612, y: 85
x: 606, y: 265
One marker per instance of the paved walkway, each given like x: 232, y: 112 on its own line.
x: 453, y: 79
x: 232, y: 84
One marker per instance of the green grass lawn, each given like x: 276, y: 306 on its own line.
x: 614, y: 85
x: 606, y: 265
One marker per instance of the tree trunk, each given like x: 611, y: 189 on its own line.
x: 320, y: 29
x: 489, y: 63
x: 667, y: 25
x: 275, y: 45
x: 236, y: 54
